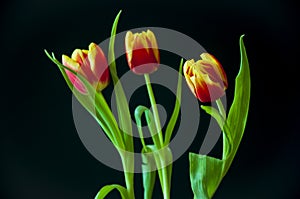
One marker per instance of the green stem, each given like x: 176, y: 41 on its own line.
x: 128, y: 166
x: 129, y: 178
x: 223, y: 114
x: 166, y: 185
x: 221, y: 108
x: 164, y: 171
x: 154, y: 107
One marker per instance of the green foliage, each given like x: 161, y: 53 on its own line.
x: 205, y: 175
x: 94, y: 103
x: 206, y: 172
x: 149, y: 171
x: 122, y: 104
x: 108, y: 188
x: 173, y: 119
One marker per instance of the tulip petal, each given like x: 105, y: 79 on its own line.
x: 204, y: 80
x: 141, y: 41
x: 208, y: 90
x: 205, y: 67
x: 91, y: 64
x: 78, y: 56
x: 98, y: 63
x: 216, y: 65
x: 141, y: 57
x: 189, y: 76
x: 101, y: 85
x: 128, y: 45
x: 187, y: 68
x: 81, y: 57
x: 76, y: 82
x: 70, y: 63
x: 153, y: 43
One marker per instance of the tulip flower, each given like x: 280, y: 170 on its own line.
x: 206, y: 78
x: 91, y: 64
x: 142, y: 52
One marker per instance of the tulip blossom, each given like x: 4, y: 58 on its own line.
x: 206, y: 78
x: 142, y: 52
x: 91, y: 64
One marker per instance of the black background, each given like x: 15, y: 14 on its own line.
x: 41, y: 153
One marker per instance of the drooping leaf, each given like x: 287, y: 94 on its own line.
x: 205, y: 175
x: 108, y: 188
x: 215, y: 114
x: 139, y: 111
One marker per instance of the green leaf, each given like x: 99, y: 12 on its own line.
x: 205, y: 175
x: 227, y: 142
x: 157, y: 159
x: 96, y: 106
x: 108, y: 188
x: 238, y: 112
x: 121, y: 101
x: 173, y: 119
x: 138, y: 120
x: 215, y: 114
x: 206, y: 172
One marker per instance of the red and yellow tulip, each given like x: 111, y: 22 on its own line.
x: 206, y: 78
x: 142, y: 52
x: 91, y: 64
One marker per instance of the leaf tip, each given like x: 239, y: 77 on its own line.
x: 180, y: 66
x: 46, y: 52
x: 118, y: 15
x: 205, y: 108
x: 242, y: 39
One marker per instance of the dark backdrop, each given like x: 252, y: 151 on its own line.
x: 41, y: 153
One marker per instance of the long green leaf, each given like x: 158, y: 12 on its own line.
x: 103, y: 114
x: 108, y: 188
x: 205, y: 175
x: 238, y: 112
x: 206, y: 172
x: 173, y: 119
x: 121, y: 101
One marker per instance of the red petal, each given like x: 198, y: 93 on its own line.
x: 76, y: 82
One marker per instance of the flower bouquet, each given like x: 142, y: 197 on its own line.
x: 88, y: 72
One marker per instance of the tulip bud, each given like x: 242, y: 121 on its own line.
x: 206, y: 78
x: 91, y: 64
x: 142, y: 52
